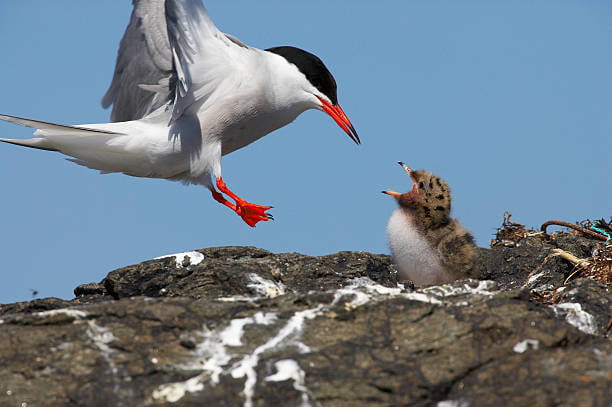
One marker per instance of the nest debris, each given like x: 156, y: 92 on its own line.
x: 597, y: 267
x: 511, y: 233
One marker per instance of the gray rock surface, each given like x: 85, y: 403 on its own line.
x: 240, y: 326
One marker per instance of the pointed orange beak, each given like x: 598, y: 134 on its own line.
x: 392, y: 193
x: 340, y: 118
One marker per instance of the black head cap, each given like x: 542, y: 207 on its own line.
x: 313, y: 68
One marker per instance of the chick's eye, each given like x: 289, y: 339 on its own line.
x: 421, y: 185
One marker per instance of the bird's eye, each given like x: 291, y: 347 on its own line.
x: 421, y: 185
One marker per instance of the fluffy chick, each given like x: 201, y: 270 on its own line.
x: 427, y: 245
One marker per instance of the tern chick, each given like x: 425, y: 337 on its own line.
x: 427, y: 245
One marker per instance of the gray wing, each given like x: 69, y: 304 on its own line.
x: 171, y: 53
x: 144, y: 68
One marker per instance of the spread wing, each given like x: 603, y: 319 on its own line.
x: 171, y: 54
x: 144, y: 58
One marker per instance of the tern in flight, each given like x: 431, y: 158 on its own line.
x: 184, y: 94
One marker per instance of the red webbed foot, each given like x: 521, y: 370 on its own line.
x: 249, y: 212
x: 252, y: 213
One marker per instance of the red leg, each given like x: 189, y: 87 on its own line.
x: 219, y: 198
x: 223, y: 188
x: 250, y: 213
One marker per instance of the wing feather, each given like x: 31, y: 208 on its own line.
x: 144, y: 58
x: 171, y: 54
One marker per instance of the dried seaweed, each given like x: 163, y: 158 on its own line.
x: 510, y: 232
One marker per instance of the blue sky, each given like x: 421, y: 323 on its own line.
x: 510, y: 102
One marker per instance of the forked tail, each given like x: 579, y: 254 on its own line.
x: 47, y: 132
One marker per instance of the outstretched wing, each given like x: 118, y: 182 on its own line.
x: 144, y: 58
x: 171, y: 53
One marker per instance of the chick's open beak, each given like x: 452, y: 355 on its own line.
x: 414, y: 192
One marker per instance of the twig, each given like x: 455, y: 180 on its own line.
x: 537, y: 269
x: 571, y: 258
x: 579, y: 263
x: 508, y: 222
x: 579, y: 228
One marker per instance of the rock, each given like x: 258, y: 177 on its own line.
x: 246, y: 271
x: 243, y: 326
x: 89, y: 289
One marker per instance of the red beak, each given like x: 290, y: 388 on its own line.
x: 340, y: 118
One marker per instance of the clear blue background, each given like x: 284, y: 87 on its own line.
x: 510, y: 102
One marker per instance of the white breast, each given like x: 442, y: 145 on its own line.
x: 415, y: 258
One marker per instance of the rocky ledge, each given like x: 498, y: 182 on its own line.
x: 238, y: 326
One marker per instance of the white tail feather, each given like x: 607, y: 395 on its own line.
x: 47, y: 126
x: 47, y: 129
x: 39, y: 143
x: 139, y: 148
